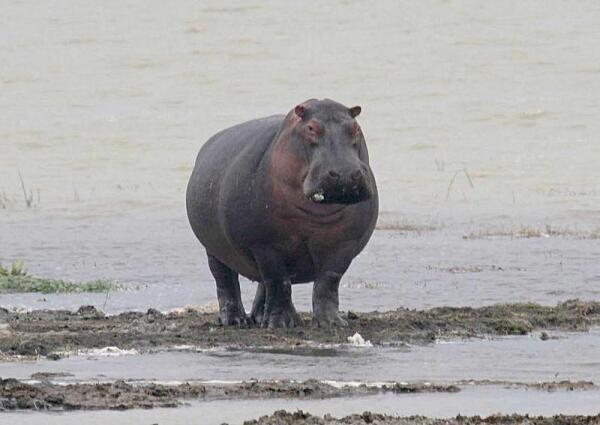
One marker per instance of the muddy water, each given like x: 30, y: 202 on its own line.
x: 481, y: 120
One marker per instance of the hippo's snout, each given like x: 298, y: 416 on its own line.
x: 337, y: 187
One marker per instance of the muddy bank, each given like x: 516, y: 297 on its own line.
x: 282, y: 417
x: 49, y: 333
x: 564, y: 385
x: 121, y: 395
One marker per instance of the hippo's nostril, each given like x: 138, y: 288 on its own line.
x: 356, y: 175
x: 334, y: 174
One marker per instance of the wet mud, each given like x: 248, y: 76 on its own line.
x: 282, y: 417
x: 55, y: 333
x: 121, y: 395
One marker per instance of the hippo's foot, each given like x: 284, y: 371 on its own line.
x: 232, y: 314
x: 279, y: 311
x: 256, y: 316
x: 231, y: 309
x: 328, y: 320
x: 281, y: 317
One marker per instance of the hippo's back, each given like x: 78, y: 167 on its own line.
x: 227, y: 162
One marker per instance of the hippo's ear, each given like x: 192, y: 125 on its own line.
x: 300, y: 110
x: 355, y: 111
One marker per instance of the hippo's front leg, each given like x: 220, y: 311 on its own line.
x: 326, y: 301
x: 279, y: 311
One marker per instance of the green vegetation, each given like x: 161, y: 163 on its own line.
x: 16, y: 280
x: 17, y: 269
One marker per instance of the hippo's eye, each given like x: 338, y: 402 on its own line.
x: 311, y: 136
x: 312, y: 131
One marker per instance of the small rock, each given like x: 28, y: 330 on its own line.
x: 153, y: 312
x: 89, y: 311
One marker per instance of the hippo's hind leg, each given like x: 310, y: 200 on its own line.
x: 258, y: 306
x: 231, y: 309
x: 279, y: 311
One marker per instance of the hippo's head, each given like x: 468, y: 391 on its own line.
x: 336, y: 163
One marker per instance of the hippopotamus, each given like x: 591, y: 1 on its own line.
x: 282, y: 200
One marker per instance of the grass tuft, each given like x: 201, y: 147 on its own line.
x: 16, y: 280
x: 17, y: 269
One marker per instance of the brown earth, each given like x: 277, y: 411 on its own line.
x: 48, y: 332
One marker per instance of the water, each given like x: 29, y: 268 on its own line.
x: 518, y: 359
x: 571, y: 356
x: 481, y: 118
x: 105, y: 108
x: 167, y: 268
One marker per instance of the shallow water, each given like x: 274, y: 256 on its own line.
x: 166, y: 268
x: 571, y: 356
x: 481, y: 118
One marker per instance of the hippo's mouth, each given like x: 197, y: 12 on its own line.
x: 344, y: 196
x: 317, y: 197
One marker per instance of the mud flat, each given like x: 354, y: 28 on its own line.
x: 56, y: 333
x: 282, y: 417
x: 121, y: 395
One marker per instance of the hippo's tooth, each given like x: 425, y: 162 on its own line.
x: 318, y: 197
